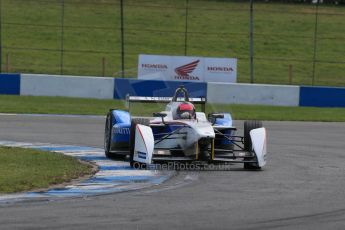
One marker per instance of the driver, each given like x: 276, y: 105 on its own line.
x: 185, y: 110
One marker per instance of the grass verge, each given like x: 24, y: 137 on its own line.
x: 61, y: 105
x: 29, y: 169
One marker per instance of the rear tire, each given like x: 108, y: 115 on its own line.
x: 248, y: 126
x: 134, y: 123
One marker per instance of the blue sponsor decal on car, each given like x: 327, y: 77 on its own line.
x: 121, y: 130
x: 141, y: 155
x: 120, y: 133
x: 121, y: 126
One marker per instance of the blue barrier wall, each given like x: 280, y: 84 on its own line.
x: 322, y: 96
x: 118, y: 88
x: 10, y: 84
x: 153, y: 88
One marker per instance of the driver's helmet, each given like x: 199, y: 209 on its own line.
x: 185, y: 110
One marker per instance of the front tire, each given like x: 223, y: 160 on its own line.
x: 107, y: 135
x: 248, y: 126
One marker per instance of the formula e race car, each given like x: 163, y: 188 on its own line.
x: 181, y: 134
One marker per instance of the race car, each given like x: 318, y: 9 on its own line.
x: 181, y: 134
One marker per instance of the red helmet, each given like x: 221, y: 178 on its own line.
x: 185, y: 110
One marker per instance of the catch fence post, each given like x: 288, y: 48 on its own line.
x: 251, y: 35
x: 122, y: 41
x: 62, y: 36
x: 315, y: 42
x: 0, y: 36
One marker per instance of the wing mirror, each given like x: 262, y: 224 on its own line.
x: 159, y: 114
x: 214, y: 116
x: 162, y: 115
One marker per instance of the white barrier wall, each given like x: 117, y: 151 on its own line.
x: 228, y: 93
x: 103, y: 88
x: 67, y: 86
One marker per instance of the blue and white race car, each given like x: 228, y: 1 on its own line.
x: 181, y: 134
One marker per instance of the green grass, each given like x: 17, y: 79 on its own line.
x: 283, y: 36
x: 55, y: 105
x: 60, y: 105
x: 30, y: 169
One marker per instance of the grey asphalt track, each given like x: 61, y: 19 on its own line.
x: 302, y: 187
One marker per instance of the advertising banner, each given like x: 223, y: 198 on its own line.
x: 187, y: 69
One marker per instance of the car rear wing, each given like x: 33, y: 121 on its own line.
x: 142, y: 99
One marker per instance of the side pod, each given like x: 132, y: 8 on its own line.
x: 144, y: 144
x: 259, y: 143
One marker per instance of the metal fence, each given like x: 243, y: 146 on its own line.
x: 275, y: 42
